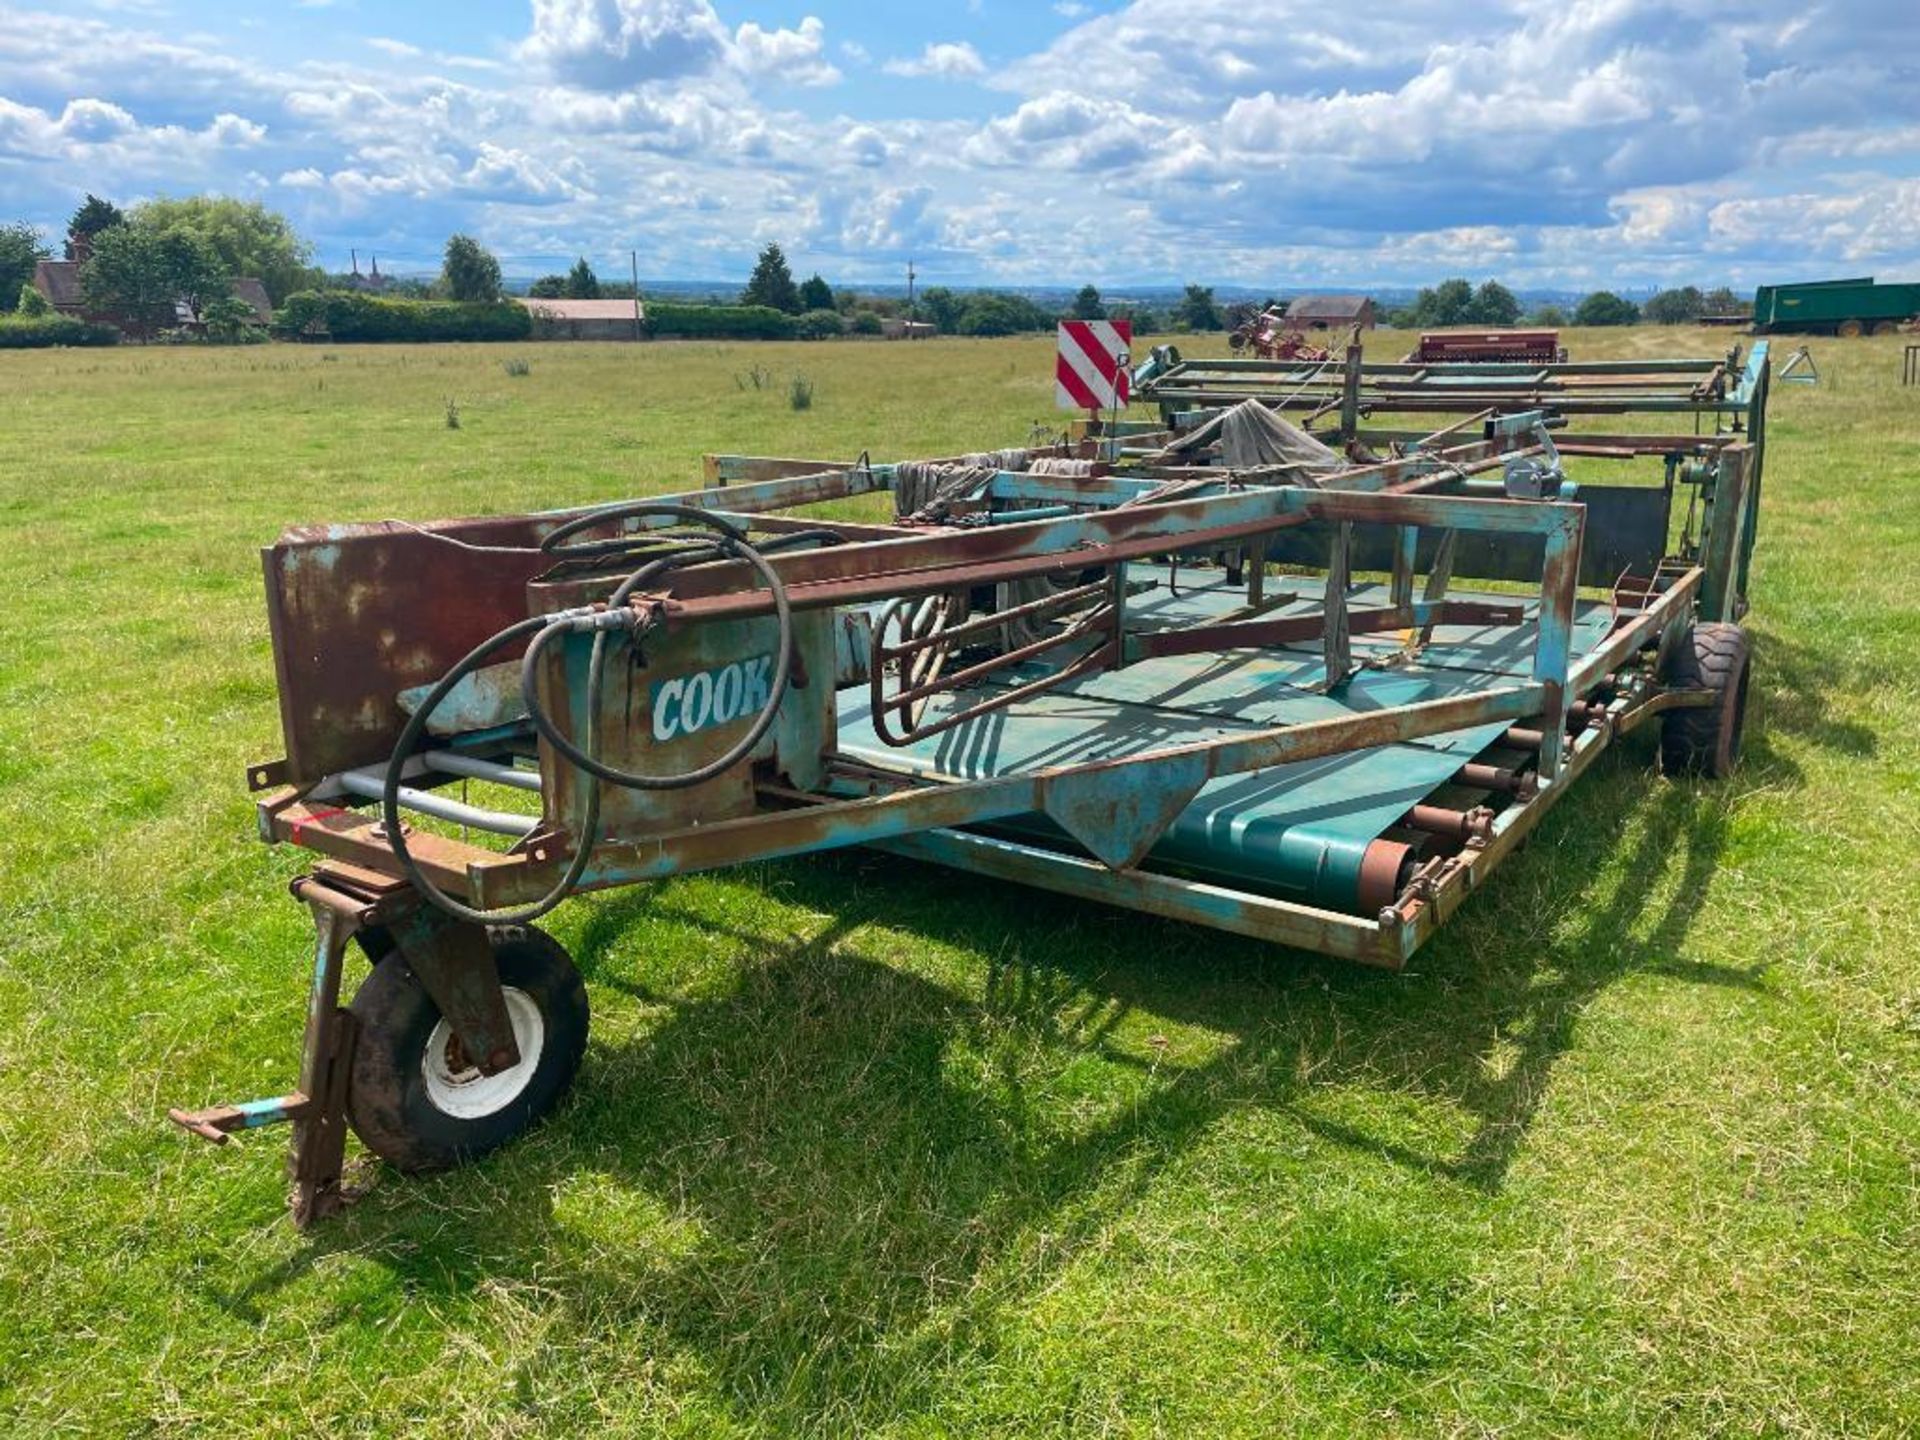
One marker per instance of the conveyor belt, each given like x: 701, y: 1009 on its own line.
x: 1296, y: 831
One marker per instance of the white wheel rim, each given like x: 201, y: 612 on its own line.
x: 465, y: 1093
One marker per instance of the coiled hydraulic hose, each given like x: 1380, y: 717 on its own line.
x: 730, y: 542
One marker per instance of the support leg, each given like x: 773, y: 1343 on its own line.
x: 320, y: 1133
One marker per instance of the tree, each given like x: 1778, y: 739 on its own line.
x: 128, y: 277
x: 771, y: 283
x: 1494, y: 304
x: 1087, y: 305
x: 228, y: 319
x: 33, y: 304
x: 1145, y: 319
x: 192, y: 266
x: 1550, y: 317
x: 1197, y: 311
x: 990, y: 313
x: 818, y: 324
x: 93, y: 216
x: 1674, y: 307
x: 20, y: 248
x: 1722, y: 301
x: 816, y: 294
x: 249, y: 238
x: 548, y: 287
x: 1603, y: 307
x: 582, y: 283
x: 469, y: 271
x: 1448, y: 303
x: 1236, y: 313
x: 943, y: 307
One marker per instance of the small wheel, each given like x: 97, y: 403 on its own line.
x: 1705, y: 740
x: 417, y: 1103
x: 1850, y: 330
x: 1886, y: 327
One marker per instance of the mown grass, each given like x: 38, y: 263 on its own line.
x: 862, y: 1147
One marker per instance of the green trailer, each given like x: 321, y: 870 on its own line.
x: 1834, y: 307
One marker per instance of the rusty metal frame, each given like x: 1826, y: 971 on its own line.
x: 396, y: 604
x: 930, y: 564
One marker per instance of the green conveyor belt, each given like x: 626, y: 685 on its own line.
x: 1296, y: 831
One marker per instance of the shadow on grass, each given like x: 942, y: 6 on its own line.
x: 845, y: 1172
x: 1794, y: 690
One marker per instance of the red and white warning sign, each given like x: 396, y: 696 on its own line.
x: 1090, y: 372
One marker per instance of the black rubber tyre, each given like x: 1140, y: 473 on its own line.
x: 412, y: 1101
x: 1705, y: 740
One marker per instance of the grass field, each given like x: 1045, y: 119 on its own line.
x: 861, y: 1147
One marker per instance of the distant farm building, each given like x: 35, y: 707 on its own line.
x: 59, y: 282
x: 245, y: 288
x: 1331, y: 312
x: 895, y: 328
x: 585, y: 319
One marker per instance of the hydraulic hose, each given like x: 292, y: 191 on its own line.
x: 776, y: 691
x: 403, y: 751
x: 731, y: 542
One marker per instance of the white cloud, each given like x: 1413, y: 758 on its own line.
x: 617, y: 45
x: 944, y: 60
x: 1065, y: 128
x: 613, y: 44
x: 228, y: 129
x: 867, y: 146
x: 1873, y: 219
x: 795, y: 56
x: 90, y: 122
x: 99, y: 133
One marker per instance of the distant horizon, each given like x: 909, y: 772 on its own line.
x: 1118, y: 293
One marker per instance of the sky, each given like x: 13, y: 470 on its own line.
x: 1573, y: 145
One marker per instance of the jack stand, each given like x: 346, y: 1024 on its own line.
x: 318, y: 1109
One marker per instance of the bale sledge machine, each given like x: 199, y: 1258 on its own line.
x: 1308, y: 686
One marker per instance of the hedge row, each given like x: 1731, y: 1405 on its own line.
x: 35, y: 332
x: 345, y: 316
x: 718, y: 322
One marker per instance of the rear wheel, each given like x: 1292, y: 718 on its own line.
x: 1850, y: 330
x: 416, y: 1100
x: 1705, y: 739
x: 1887, y: 327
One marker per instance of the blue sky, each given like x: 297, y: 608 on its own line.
x: 1267, y: 143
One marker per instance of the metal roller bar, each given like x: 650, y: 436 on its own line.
x: 499, y: 822
x: 448, y: 762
